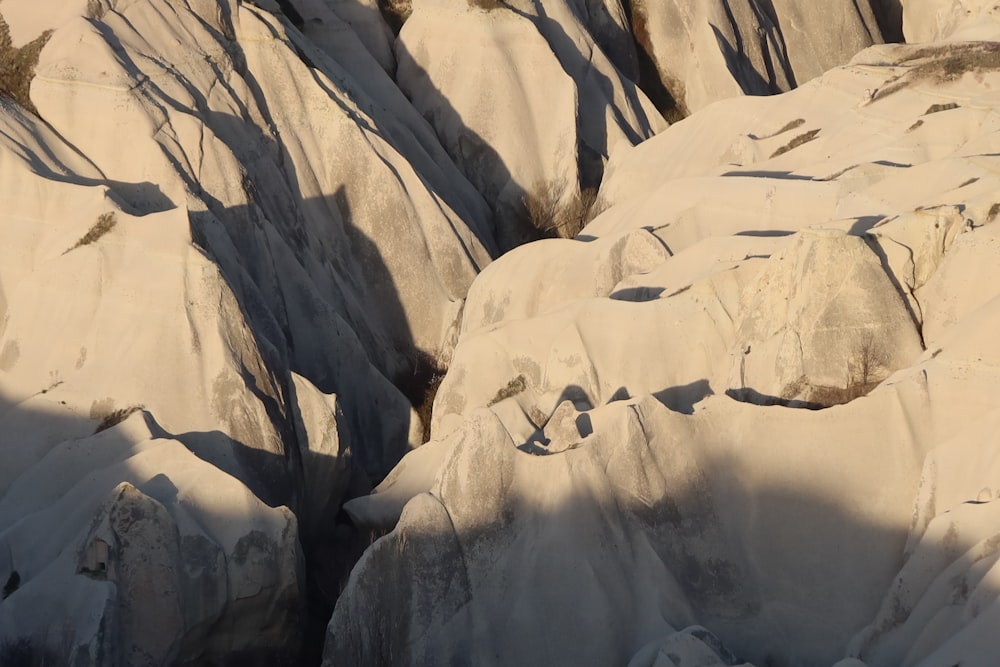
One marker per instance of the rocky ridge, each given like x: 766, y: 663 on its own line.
x: 242, y: 241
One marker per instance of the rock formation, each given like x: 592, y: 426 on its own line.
x: 707, y: 51
x: 739, y: 409
x: 654, y: 450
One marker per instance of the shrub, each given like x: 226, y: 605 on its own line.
x: 554, y: 216
x: 116, y: 417
x: 17, y: 66
x: 944, y: 63
x: 865, y: 369
x: 938, y: 108
x: 787, y: 127
x: 994, y: 212
x: 95, y: 10
x: 488, y: 5
x: 513, y: 388
x: 803, y: 138
x: 422, y: 385
x: 105, y: 223
x: 395, y: 13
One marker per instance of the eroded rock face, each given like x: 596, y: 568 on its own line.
x: 646, y: 486
x: 822, y: 318
x: 943, y: 602
x: 930, y: 20
x: 154, y: 556
x: 533, y: 110
x: 575, y: 439
x: 708, y: 51
x: 218, y: 230
x: 234, y: 252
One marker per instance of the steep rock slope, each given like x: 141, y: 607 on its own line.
x: 225, y: 252
x: 533, y: 109
x: 233, y: 255
x: 706, y: 51
x: 612, y: 469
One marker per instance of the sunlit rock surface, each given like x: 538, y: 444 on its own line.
x: 815, y: 249
x: 250, y: 268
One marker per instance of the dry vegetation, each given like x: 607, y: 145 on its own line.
x: 513, y: 388
x: 17, y: 66
x: 395, y: 13
x: 105, y: 223
x: 26, y: 652
x: 557, y: 216
x: 95, y: 10
x: 803, y: 138
x: 866, y: 368
x: 938, y: 108
x: 488, y: 5
x: 421, y: 387
x: 941, y: 64
x: 787, y: 127
x: 116, y: 417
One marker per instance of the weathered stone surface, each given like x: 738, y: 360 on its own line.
x: 822, y: 317
x: 542, y: 110
x: 860, y: 203
x: 707, y: 51
x: 932, y: 20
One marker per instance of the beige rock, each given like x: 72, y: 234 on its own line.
x: 542, y: 111
x: 150, y: 556
x: 866, y: 198
x: 709, y: 51
x: 823, y: 318
x: 931, y: 20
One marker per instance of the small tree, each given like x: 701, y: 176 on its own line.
x: 869, y: 360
